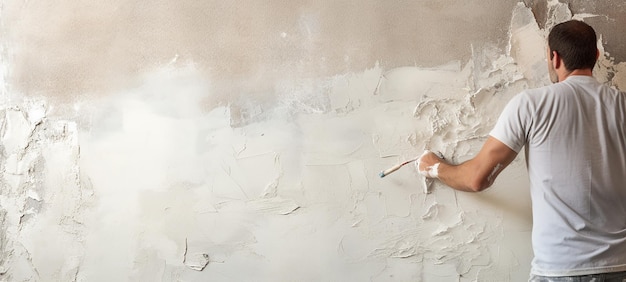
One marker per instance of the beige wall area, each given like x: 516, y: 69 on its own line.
x: 70, y: 48
x: 242, y: 140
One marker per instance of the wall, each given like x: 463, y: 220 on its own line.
x: 223, y: 141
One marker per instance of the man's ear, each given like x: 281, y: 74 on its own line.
x: 597, y: 54
x: 556, y: 60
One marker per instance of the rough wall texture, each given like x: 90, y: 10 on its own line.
x: 227, y: 141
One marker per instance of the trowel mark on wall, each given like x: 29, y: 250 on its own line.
x: 195, y: 261
x: 463, y: 239
x: 274, y: 205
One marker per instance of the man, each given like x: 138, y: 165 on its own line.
x: 574, y: 132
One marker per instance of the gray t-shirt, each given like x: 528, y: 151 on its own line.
x: 575, y: 138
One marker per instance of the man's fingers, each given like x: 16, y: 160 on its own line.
x: 426, y: 169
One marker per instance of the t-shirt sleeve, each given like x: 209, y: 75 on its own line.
x: 513, y: 124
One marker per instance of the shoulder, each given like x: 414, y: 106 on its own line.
x: 530, y: 101
x: 547, y: 94
x: 531, y: 96
x: 548, y: 89
x: 613, y: 90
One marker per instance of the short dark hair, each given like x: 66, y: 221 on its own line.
x: 575, y: 41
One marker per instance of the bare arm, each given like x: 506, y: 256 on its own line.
x: 473, y: 175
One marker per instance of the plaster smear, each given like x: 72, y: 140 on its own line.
x: 146, y: 185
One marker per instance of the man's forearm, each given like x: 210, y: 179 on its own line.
x: 473, y: 175
x: 462, y: 177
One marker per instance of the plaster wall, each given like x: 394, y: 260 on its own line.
x: 226, y: 141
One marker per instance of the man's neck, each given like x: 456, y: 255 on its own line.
x: 585, y: 72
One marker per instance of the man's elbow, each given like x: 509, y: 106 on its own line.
x: 478, y: 184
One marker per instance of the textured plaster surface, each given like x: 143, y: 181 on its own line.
x: 219, y: 141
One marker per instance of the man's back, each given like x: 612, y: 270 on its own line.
x: 576, y: 151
